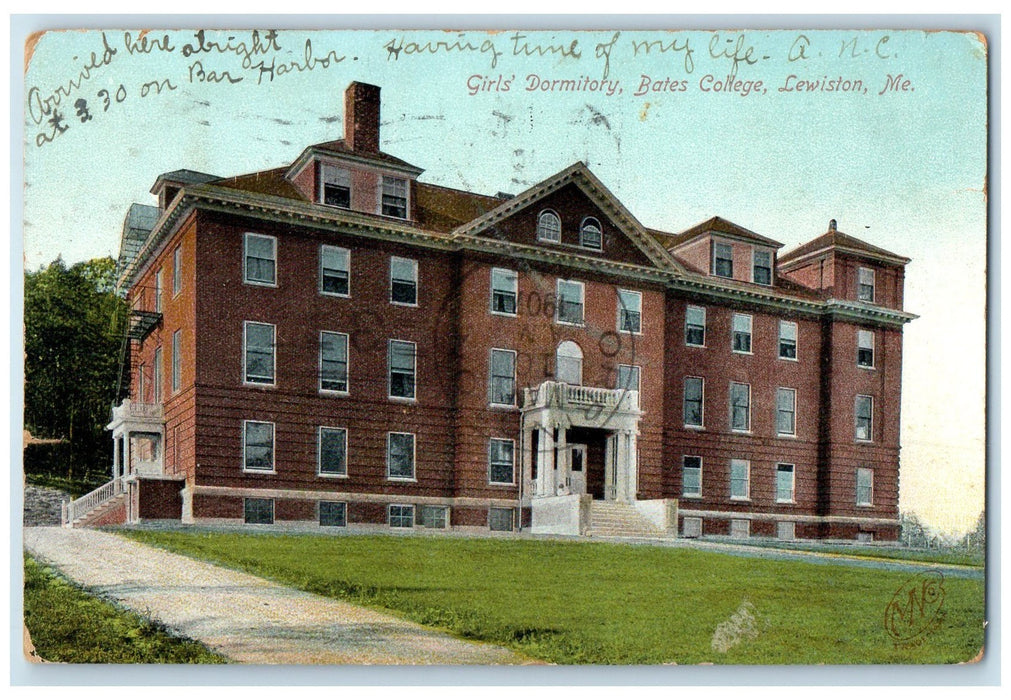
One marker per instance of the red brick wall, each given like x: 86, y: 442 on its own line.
x: 160, y: 499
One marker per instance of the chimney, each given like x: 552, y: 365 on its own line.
x: 831, y: 223
x: 361, y: 117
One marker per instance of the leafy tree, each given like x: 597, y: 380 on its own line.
x: 976, y: 539
x: 74, y: 329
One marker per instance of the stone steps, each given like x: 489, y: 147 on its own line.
x: 95, y: 513
x: 608, y: 519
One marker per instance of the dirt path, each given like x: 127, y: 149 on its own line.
x: 247, y: 619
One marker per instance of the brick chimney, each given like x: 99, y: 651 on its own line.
x: 361, y: 117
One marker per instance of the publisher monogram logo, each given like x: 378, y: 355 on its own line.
x: 916, y: 609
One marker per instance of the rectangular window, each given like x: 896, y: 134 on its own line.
x: 402, y: 358
x: 723, y: 260
x: 141, y: 384
x: 865, y: 284
x: 503, y: 291
x: 404, y: 281
x: 258, y: 511
x: 258, y: 446
x: 740, y: 529
x: 395, y: 197
x: 865, y: 349
x: 784, y: 483
x: 740, y: 407
x: 691, y: 527
x: 740, y: 479
x: 157, y: 375
x: 864, y: 417
x: 787, y: 340
x: 629, y: 311
x: 693, y: 402
x: 177, y: 270
x: 336, y: 186
x: 177, y: 360
x: 502, y: 377
x: 742, y: 333
x: 570, y: 302
x: 332, y: 455
x: 400, y: 456
x: 691, y: 477
x: 401, y: 516
x: 761, y: 271
x: 628, y: 378
x: 865, y: 486
x: 333, y: 361
x: 501, y: 519
x: 334, y: 271
x: 695, y: 326
x: 786, y: 411
x: 500, y: 461
x: 333, y: 514
x: 434, y: 517
x: 260, y: 259
x: 258, y: 339
x: 158, y: 292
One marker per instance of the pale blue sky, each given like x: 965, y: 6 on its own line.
x: 904, y: 170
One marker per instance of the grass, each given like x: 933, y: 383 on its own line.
x: 959, y: 557
x: 67, y: 624
x: 568, y: 602
x: 76, y: 487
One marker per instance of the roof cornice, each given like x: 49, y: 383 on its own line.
x: 791, y: 263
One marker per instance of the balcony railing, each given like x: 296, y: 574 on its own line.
x: 562, y: 395
x: 136, y: 411
x: 77, y: 509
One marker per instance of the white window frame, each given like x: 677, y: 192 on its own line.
x: 334, y: 175
x: 245, y: 354
x: 685, y: 493
x: 156, y: 372
x: 319, y: 513
x: 864, y: 273
x: 158, y: 292
x: 856, y: 418
x: 793, y: 482
x: 512, y: 463
x: 716, y: 258
x: 747, y: 479
x: 395, y: 184
x: 869, y: 487
x: 512, y: 279
x: 347, y: 364
x: 405, y: 509
x: 177, y: 270
x: 749, y: 333
x: 571, y: 358
x: 623, y: 307
x: 632, y: 370
x: 389, y: 371
x: 731, y: 397
x: 319, y: 453
x: 324, y: 249
x: 141, y: 383
x: 558, y: 302
x: 793, y: 411
x: 416, y: 281
x: 592, y: 224
x: 246, y: 238
x: 689, y: 326
x: 273, y: 448
x: 783, y: 325
x: 863, y: 334
x: 177, y: 360
x: 420, y: 519
x: 556, y: 229
x: 492, y: 377
x: 755, y: 252
x: 702, y: 404
x: 389, y: 457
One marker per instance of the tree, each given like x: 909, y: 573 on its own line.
x: 74, y: 329
x: 976, y: 539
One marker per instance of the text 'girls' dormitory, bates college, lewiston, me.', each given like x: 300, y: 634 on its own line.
x: 334, y: 343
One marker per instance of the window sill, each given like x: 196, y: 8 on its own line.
x: 693, y: 345
x: 694, y: 496
x: 404, y: 304
x: 869, y: 369
x: 738, y: 431
x: 580, y: 324
x: 863, y: 442
x: 502, y: 406
x: 259, y: 385
x: 331, y: 476
x: 259, y: 471
x: 789, y: 359
x: 786, y: 436
x: 694, y: 427
x: 865, y: 505
x: 621, y: 332
x: 336, y: 295
x: 335, y: 392
x: 742, y: 352
x: 786, y: 503
x: 402, y: 479
x: 502, y: 484
x: 254, y: 283
x: 403, y: 399
x: 503, y: 314
x: 741, y: 499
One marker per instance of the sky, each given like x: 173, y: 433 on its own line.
x: 675, y: 123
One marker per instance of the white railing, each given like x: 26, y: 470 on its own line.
x: 133, y: 410
x: 77, y: 509
x: 561, y: 394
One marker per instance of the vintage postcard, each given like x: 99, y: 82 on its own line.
x: 621, y: 347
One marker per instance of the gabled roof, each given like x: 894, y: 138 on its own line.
x: 340, y: 148
x: 718, y: 225
x: 839, y: 241
x: 183, y: 177
x: 444, y: 208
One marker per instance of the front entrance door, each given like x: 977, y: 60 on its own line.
x: 578, y: 468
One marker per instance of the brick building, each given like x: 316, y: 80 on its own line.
x: 336, y: 342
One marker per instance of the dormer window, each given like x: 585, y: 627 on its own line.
x: 589, y: 234
x: 549, y: 227
x: 394, y: 197
x: 723, y: 260
x: 762, y: 267
x: 336, y: 189
x: 865, y: 285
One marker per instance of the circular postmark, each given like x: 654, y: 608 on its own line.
x: 916, y: 609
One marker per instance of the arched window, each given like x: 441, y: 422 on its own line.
x: 590, y: 234
x: 549, y: 227
x: 569, y: 363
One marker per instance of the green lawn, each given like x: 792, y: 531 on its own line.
x: 926, y: 556
x: 69, y: 625
x: 569, y: 602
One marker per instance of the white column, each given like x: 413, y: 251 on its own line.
x: 546, y: 461
x: 526, y: 463
x: 609, y: 454
x: 115, y: 456
x: 564, y: 476
x: 621, y: 473
x: 633, y: 466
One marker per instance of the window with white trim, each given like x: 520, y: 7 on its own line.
x: 258, y: 353
x: 333, y: 514
x: 723, y: 260
x: 761, y: 269
x: 394, y: 197
x: 335, y: 186
x: 501, y: 461
x: 401, y: 515
x: 740, y: 407
x: 156, y: 372
x: 693, y: 402
x: 787, y: 340
x: 785, y: 483
x: 177, y: 270
x: 569, y: 363
x: 628, y: 378
x: 742, y: 333
x: 503, y: 291
x: 177, y: 360
x: 400, y: 456
x: 501, y: 519
x: 865, y: 349
x: 258, y: 511
x: 695, y: 326
x: 865, y: 284
x: 403, y: 281
x: 549, y: 227
x: 334, y: 271
x: 629, y: 311
x: 691, y: 476
x: 502, y: 377
x: 257, y: 446
x: 865, y: 486
x: 864, y: 410
x: 332, y: 452
x: 333, y: 361
x: 158, y: 291
x: 740, y: 479
x: 590, y: 235
x: 433, y: 517
x: 259, y: 259
x: 570, y: 302
x: 403, y: 361
x: 786, y: 411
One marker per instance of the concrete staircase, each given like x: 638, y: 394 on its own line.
x: 612, y: 519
